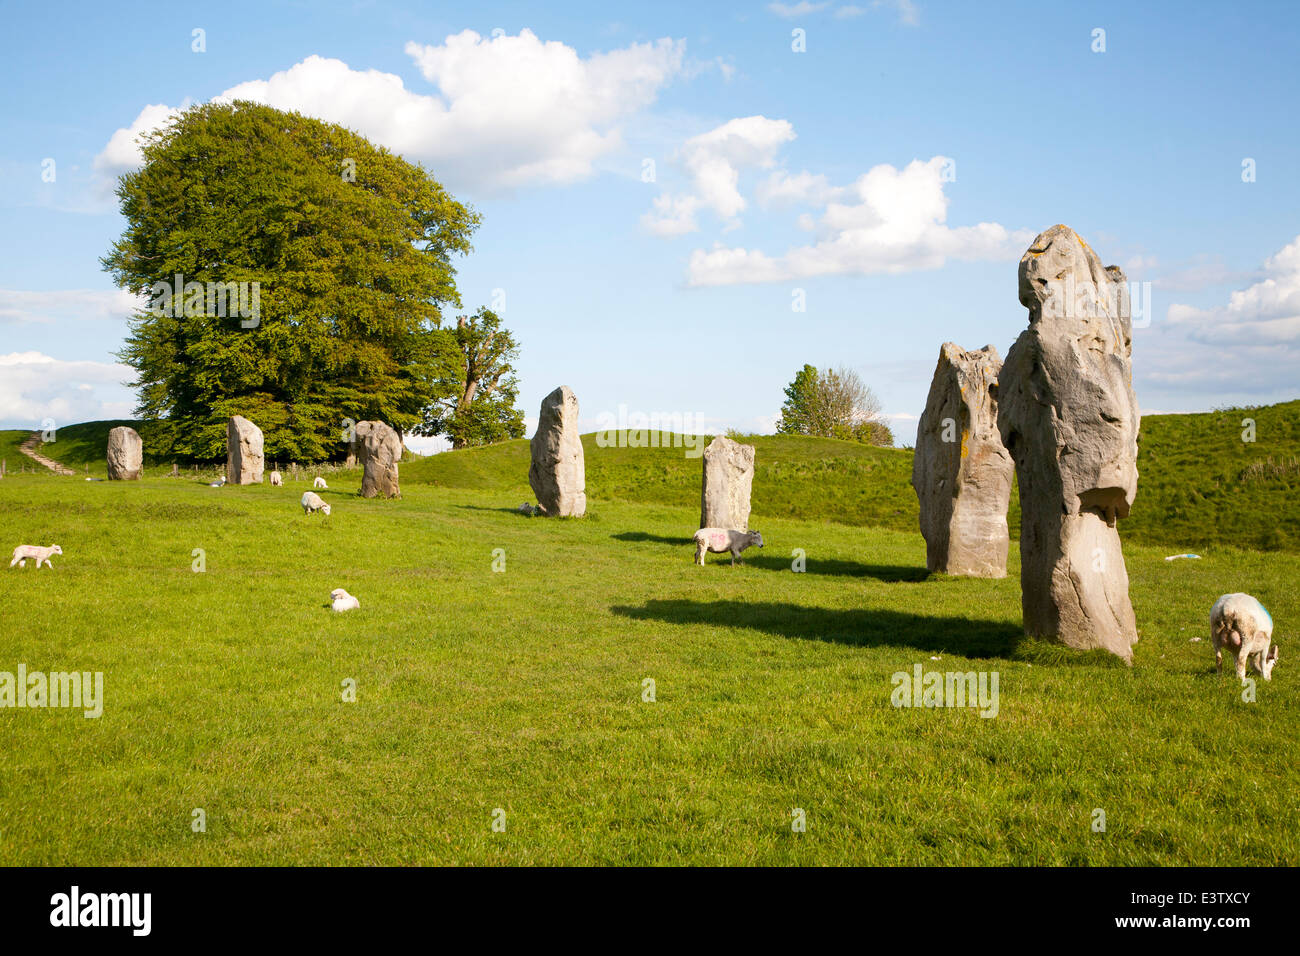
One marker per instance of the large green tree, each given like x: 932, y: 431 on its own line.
x: 349, y: 248
x: 482, y: 389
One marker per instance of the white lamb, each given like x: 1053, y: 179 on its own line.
x: 313, y: 502
x: 719, y: 540
x: 343, y: 601
x: 1241, y: 623
x: 276, y: 479
x: 42, y: 555
x: 320, y: 483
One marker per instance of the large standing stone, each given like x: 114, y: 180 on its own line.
x: 557, y: 473
x: 244, y: 458
x: 379, y: 449
x: 125, y: 454
x: 961, y: 471
x: 1068, y: 415
x: 728, y: 478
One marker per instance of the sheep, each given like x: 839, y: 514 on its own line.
x: 720, y: 539
x: 320, y: 483
x: 313, y: 502
x: 1241, y: 623
x: 42, y: 555
x: 276, y: 479
x: 525, y: 508
x: 343, y: 601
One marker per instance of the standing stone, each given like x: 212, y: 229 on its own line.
x: 379, y: 449
x: 125, y: 454
x: 961, y: 471
x: 244, y: 459
x: 728, y: 478
x: 1068, y: 415
x: 557, y: 473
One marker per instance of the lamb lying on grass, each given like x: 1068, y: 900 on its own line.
x: 343, y: 601
x: 720, y: 539
x: 1241, y: 623
x: 313, y: 502
x: 320, y: 483
x: 525, y: 509
x: 42, y: 555
x: 276, y: 479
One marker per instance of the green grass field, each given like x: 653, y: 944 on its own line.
x: 521, y: 690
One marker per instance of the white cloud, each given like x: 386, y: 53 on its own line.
x: 908, y: 15
x: 1244, y: 351
x: 122, y: 153
x: 891, y: 221
x: 672, y: 216
x: 510, y: 111
x: 1266, y: 312
x: 714, y: 160
x: 803, y: 187
x: 800, y: 9
x: 34, y: 387
x: 23, y: 306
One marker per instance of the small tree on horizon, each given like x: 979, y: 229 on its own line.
x: 835, y: 403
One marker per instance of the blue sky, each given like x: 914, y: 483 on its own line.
x: 889, y: 175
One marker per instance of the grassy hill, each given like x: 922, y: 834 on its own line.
x: 1201, y: 486
x: 817, y: 479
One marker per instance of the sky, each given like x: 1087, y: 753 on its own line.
x: 684, y: 203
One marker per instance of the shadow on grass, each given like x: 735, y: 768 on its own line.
x: 772, y: 562
x: 656, y: 538
x: 510, y: 511
x: 859, y: 628
x: 834, y: 566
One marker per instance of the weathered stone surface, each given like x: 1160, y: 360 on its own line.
x: 961, y: 472
x: 125, y: 454
x: 244, y: 458
x: 557, y: 472
x: 728, y: 478
x: 379, y: 449
x: 1069, y: 418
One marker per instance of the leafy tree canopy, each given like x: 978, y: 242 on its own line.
x: 482, y: 389
x: 347, y: 253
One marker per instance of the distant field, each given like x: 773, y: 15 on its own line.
x: 1201, y: 486
x: 522, y: 691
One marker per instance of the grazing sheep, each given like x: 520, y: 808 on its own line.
x: 1241, y: 623
x: 312, y: 502
x: 343, y: 601
x: 320, y: 483
x: 42, y: 555
x: 276, y: 479
x: 720, y: 539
